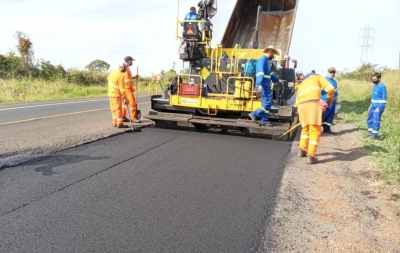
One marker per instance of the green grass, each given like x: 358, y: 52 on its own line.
x: 355, y: 97
x: 25, y: 90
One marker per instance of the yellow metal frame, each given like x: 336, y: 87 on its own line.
x: 206, y: 41
x: 150, y: 90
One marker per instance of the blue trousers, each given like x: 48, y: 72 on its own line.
x: 327, y: 117
x: 374, y: 120
x: 267, y: 100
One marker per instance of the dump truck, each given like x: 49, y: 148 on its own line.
x: 217, y: 90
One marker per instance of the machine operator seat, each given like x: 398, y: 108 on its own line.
x: 191, y: 31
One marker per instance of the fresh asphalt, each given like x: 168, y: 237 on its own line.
x: 20, y: 112
x: 160, y: 190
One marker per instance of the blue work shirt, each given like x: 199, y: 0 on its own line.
x: 379, y: 96
x: 324, y: 95
x: 191, y: 16
x: 263, y: 71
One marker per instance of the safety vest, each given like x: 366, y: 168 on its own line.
x: 310, y: 89
x: 128, y: 79
x: 116, y: 84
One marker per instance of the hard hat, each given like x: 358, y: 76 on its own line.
x: 128, y: 58
x: 272, y: 48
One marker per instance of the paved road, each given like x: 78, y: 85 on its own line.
x: 20, y: 112
x: 160, y: 190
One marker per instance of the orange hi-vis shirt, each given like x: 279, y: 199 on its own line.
x: 310, y: 89
x: 116, y: 84
x: 128, y: 79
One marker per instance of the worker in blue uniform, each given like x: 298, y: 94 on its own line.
x: 192, y: 15
x: 311, y: 73
x: 377, y: 107
x: 263, y: 79
x: 329, y: 114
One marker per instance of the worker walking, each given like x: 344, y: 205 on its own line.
x: 129, y: 92
x: 329, y: 114
x: 263, y: 82
x: 377, y: 107
x: 116, y: 92
x: 310, y: 114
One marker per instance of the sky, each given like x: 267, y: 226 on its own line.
x: 75, y: 32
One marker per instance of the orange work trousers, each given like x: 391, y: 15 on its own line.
x: 116, y: 110
x: 309, y: 139
x: 131, y: 101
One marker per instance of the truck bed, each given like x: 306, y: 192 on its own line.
x: 275, y: 27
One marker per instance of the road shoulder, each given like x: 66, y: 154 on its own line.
x: 335, y: 205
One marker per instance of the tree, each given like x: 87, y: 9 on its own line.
x: 98, y: 66
x: 25, y: 49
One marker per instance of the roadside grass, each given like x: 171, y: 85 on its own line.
x: 354, y: 98
x: 25, y: 90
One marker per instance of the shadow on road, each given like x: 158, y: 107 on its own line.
x: 51, y: 162
x: 350, y: 154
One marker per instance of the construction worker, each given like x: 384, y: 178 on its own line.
x: 192, y: 15
x: 129, y: 93
x: 377, y: 107
x: 310, y: 74
x: 329, y: 114
x: 310, y: 114
x: 263, y: 85
x: 116, y: 91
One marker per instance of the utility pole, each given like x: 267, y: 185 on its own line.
x: 365, y: 42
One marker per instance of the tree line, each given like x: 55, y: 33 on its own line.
x: 22, y: 64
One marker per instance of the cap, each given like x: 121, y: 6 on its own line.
x: 331, y: 69
x: 129, y: 58
x: 192, y: 8
x: 272, y: 48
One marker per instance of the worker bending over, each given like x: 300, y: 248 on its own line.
x: 329, y: 114
x: 129, y: 93
x: 263, y: 82
x: 116, y: 91
x: 310, y: 114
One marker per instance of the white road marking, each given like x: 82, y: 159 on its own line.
x: 63, y: 103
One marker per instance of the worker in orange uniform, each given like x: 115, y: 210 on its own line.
x: 130, y: 96
x: 310, y: 114
x: 116, y: 91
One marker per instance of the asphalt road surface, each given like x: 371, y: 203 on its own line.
x: 160, y: 190
x: 28, y: 111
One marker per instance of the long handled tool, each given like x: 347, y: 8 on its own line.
x: 285, y: 133
x: 138, y: 112
x: 136, y: 129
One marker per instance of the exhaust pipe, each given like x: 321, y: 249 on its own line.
x: 255, y: 42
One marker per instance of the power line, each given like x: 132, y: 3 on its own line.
x: 365, y: 42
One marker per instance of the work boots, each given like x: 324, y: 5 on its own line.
x: 312, y: 160
x: 302, y: 153
x: 251, y: 116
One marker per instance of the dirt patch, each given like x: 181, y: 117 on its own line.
x: 336, y: 205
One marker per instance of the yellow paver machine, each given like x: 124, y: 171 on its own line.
x: 217, y: 90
